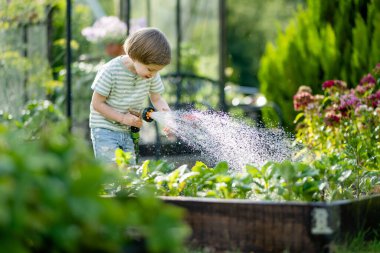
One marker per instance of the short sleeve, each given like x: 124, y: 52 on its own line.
x: 103, y: 82
x: 156, y: 85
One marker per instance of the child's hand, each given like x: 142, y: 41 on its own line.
x: 131, y: 120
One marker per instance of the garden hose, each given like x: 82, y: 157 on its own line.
x: 135, y: 131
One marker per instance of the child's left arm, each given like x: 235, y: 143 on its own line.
x: 159, y: 102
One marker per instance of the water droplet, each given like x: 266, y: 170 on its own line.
x: 220, y: 137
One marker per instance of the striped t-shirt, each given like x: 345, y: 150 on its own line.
x: 124, y: 90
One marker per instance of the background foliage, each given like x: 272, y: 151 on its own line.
x: 50, y: 186
x: 327, y: 40
x: 250, y: 25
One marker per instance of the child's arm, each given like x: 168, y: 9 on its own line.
x: 159, y: 102
x: 99, y: 104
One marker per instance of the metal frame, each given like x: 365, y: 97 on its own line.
x: 126, y: 7
x: 68, y: 62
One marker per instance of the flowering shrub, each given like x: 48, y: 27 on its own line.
x: 106, y: 30
x: 343, y: 125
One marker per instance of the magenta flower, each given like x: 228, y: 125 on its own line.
x: 334, y: 83
x: 374, y: 99
x: 332, y: 118
x: 368, y: 79
x: 347, y: 102
x: 328, y: 84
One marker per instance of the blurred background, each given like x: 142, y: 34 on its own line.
x: 244, y: 57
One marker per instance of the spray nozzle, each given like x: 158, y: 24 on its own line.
x: 146, y: 114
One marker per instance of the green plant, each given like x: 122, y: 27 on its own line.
x: 35, y: 116
x: 323, y: 179
x: 200, y: 180
x: 49, y: 201
x: 357, y: 244
x: 341, y: 129
x: 326, y: 40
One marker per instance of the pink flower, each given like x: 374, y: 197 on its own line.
x: 368, y: 79
x: 361, y: 89
x: 347, y: 102
x: 332, y: 118
x: 301, y: 100
x: 374, y: 99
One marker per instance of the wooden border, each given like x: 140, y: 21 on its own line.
x: 267, y: 227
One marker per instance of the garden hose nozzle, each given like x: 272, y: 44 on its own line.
x: 135, y: 131
x: 146, y: 114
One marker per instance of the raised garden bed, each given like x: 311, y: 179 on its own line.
x: 264, y: 226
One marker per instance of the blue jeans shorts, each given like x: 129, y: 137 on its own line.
x: 106, y: 141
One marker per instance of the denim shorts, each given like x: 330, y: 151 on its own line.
x: 106, y: 141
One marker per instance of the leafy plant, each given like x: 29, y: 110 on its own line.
x: 36, y: 115
x: 49, y: 201
x: 200, y: 180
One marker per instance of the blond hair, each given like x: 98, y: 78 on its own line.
x: 148, y: 46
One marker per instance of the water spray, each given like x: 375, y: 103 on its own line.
x: 135, y: 131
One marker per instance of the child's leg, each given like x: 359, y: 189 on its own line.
x: 127, y: 145
x: 105, y: 142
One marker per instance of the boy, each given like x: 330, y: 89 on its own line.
x: 124, y: 83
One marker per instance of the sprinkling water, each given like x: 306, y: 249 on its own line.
x: 221, y: 138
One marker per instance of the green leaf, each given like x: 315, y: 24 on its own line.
x: 188, y: 175
x: 199, y: 166
x: 221, y: 168
x: 253, y: 171
x: 298, y: 117
x: 345, y: 174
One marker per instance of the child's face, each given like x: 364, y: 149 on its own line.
x: 147, y: 71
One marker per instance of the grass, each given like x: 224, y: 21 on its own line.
x: 359, y: 244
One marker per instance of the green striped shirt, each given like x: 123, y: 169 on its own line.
x: 123, y: 89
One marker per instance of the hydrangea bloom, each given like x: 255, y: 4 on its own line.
x: 106, y: 30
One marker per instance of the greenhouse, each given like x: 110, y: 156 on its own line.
x: 196, y: 126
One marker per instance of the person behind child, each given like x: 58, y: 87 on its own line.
x: 123, y: 84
